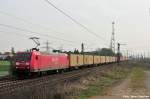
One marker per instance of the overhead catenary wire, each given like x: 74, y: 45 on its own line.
x: 69, y: 43
x: 23, y: 35
x: 27, y: 21
x: 21, y: 19
x: 75, y: 21
x: 26, y: 36
x: 26, y: 30
x: 17, y: 34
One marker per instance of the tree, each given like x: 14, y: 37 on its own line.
x: 76, y: 51
x: 104, y: 52
x: 12, y: 50
x: 107, y: 52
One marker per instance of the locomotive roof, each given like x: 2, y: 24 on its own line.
x: 48, y: 53
x: 45, y: 53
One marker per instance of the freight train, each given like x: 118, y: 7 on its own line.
x: 36, y: 62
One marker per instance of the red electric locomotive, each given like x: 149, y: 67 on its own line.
x: 36, y: 61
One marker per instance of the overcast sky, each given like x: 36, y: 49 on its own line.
x: 132, y: 23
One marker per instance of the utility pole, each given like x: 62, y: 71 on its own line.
x: 118, y: 53
x: 12, y: 51
x: 138, y: 57
x: 112, y: 42
x: 144, y: 55
x: 127, y: 54
x: 82, y: 48
x: 47, y: 47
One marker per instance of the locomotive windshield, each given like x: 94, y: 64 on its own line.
x: 23, y: 56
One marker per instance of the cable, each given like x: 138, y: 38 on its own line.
x: 75, y: 21
x: 25, y: 30
x: 23, y: 35
x: 26, y: 21
x: 17, y: 34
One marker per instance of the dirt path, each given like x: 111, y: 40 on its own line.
x: 123, y: 91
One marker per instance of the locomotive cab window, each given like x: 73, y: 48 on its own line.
x: 23, y: 57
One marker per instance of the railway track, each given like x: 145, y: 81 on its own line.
x: 20, y: 87
x: 51, y: 80
x: 4, y: 78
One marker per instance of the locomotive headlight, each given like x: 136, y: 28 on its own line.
x: 27, y: 63
x: 17, y: 63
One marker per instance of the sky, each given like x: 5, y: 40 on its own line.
x: 21, y: 19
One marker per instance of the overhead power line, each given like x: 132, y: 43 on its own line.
x: 17, y: 34
x: 27, y: 21
x: 75, y: 21
x: 47, y: 47
x: 25, y: 30
x: 27, y: 36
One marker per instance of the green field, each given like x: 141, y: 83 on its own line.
x: 4, y: 65
x: 101, y: 85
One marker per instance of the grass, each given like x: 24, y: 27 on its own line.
x: 4, y: 65
x: 137, y: 78
x: 102, y: 85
